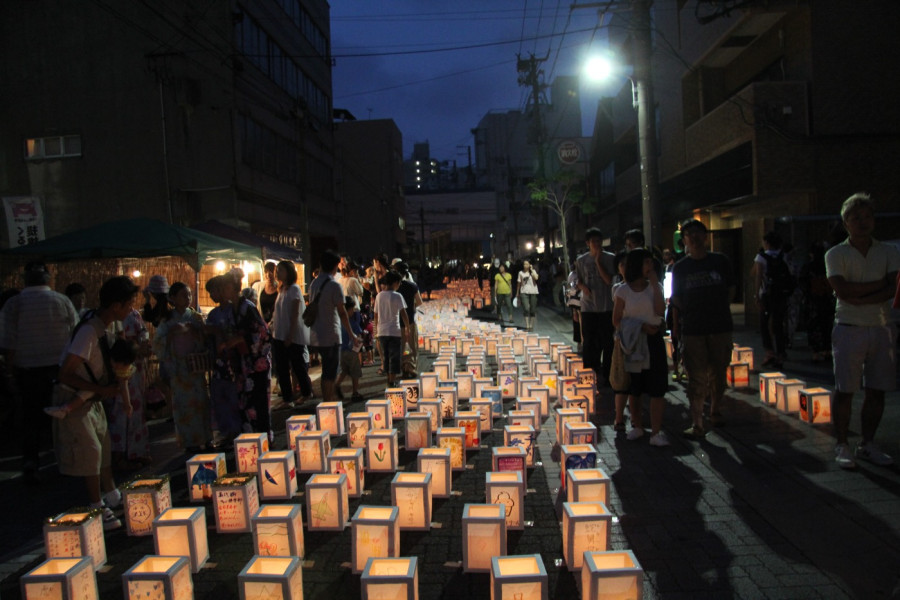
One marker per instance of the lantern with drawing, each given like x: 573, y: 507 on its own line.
x: 436, y: 461
x: 248, y: 447
x: 381, y: 413
x: 612, y: 575
x: 577, y: 456
x: 75, y: 533
x: 767, y: 386
x: 145, y: 499
x: 350, y: 462
x: 277, y: 475
x: 453, y: 438
x: 506, y: 381
x: 576, y: 401
x: 159, y: 577
x: 61, y: 579
x: 202, y: 471
x: 375, y: 533
x: 396, y: 397
x: 495, y: 394
x: 522, y: 577
x: 297, y: 424
x: 411, y: 493
x: 235, y: 500
x: 432, y: 406
x: 278, y: 530
x: 182, y: 532
x: 484, y: 408
x: 815, y: 405
x: 737, y: 375
x: 522, y: 436
x: 470, y: 421
x: 390, y: 579
x: 330, y: 418
x: 787, y: 395
x: 587, y: 485
x: 417, y: 431
x: 327, y: 506
x: 411, y: 395
x: 509, y: 458
x: 358, y: 425
x: 382, y: 449
x: 267, y: 577
x: 483, y: 536
x: 312, y: 450
x: 507, y: 489
x: 580, y: 433
x: 585, y: 526
x: 447, y: 396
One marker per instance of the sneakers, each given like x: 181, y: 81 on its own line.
x: 694, y: 433
x: 843, y: 457
x: 659, y: 440
x: 110, y: 520
x: 871, y: 453
x: 636, y: 433
x: 57, y: 412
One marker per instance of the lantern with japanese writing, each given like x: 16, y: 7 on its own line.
x: 587, y: 485
x: 411, y: 493
x: 358, y: 425
x: 277, y: 577
x: 235, y: 500
x: 436, y: 461
x: 182, y: 532
x: 390, y: 579
x: 375, y: 533
x: 349, y: 461
x: 453, y: 438
x: 576, y: 456
x: 75, y: 533
x: 278, y: 530
x: 145, y: 499
x: 327, y: 506
x: 787, y: 395
x: 585, y: 526
x: 509, y: 458
x: 737, y: 375
x: 248, y: 447
x: 767, y: 386
x: 296, y: 424
x: 382, y: 449
x: 611, y: 575
x: 522, y: 436
x: 411, y: 394
x: 61, y: 579
x: 507, y: 489
x: 159, y: 577
x: 589, y: 391
x: 381, y: 413
x: 202, y: 471
x: 521, y: 577
x: 815, y: 405
x: 576, y: 401
x: 447, y: 396
x: 312, y: 449
x: 483, y: 536
x: 484, y: 408
x: 330, y: 418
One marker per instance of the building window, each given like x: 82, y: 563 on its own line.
x: 56, y: 146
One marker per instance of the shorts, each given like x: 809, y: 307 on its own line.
x: 330, y: 357
x: 82, y: 441
x: 350, y: 364
x: 864, y: 357
x: 653, y: 381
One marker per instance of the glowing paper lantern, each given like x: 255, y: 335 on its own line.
x: 525, y: 417
x: 312, y: 448
x: 382, y: 449
x: 509, y: 458
x: 330, y: 417
x: 562, y: 361
x: 577, y: 401
x: 145, y: 499
x: 589, y: 391
x: 470, y: 421
x: 530, y: 403
x: 436, y: 461
x: 480, y: 384
x: 411, y: 394
x: 507, y: 362
x: 432, y: 406
x: 787, y: 395
x: 202, y: 471
x: 411, y: 493
x: 815, y: 405
x: 484, y: 408
x: 296, y: 424
x: 465, y: 386
x: 520, y: 577
x: 767, y: 386
x: 737, y: 375
x: 522, y: 436
x: 544, y: 343
x: 271, y: 577
x: 358, y: 425
x: 381, y: 414
x: 417, y: 431
x: 542, y: 393
x: 375, y: 533
x: 612, y: 575
x: 550, y: 380
x: 235, y: 500
x: 350, y: 462
x: 447, y: 396
x: 277, y: 475
x: 577, y: 456
x: 585, y: 526
x: 453, y: 438
x: 495, y: 395
x: 574, y: 363
x: 75, y: 533
x: 506, y: 381
x: 483, y: 536
x: 182, y: 532
x: 247, y: 449
x: 579, y: 433
x: 443, y: 368
x: 507, y: 489
x: 567, y: 386
x: 61, y: 579
x: 518, y: 346
x: 326, y: 502
x: 587, y: 485
x: 397, y: 399
x: 390, y: 579
x: 586, y: 377
x: 278, y: 530
x: 159, y: 577
x: 567, y: 415
x: 428, y: 382
x: 741, y: 354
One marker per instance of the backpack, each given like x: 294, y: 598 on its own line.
x: 780, y: 283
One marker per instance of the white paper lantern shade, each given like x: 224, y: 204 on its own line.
x: 567, y: 386
x: 787, y: 395
x: 520, y: 577
x: 428, y: 383
x: 484, y: 408
x: 382, y: 449
x: 312, y: 448
x: 349, y: 461
x: 580, y: 433
x: 737, y: 375
x: 586, y: 377
x: 508, y: 363
x: 202, y: 470
x: 417, y: 431
x: 587, y: 485
x: 510, y: 458
x: 585, y: 527
x: 506, y: 381
x: 248, y: 447
x: 518, y: 346
x: 327, y: 507
x: 470, y: 421
x: 507, y: 489
x: 767, y: 386
x: 295, y: 424
x: 264, y: 577
x: 437, y: 462
x: 567, y: 415
x: 447, y: 396
x: 277, y: 475
x: 375, y: 533
x: 358, y: 425
x: 235, y: 501
x: 573, y: 364
x: 330, y: 418
x: 741, y: 354
x: 75, y: 533
x: 60, y: 579
x: 397, y: 398
x: 278, y: 530
x: 465, y: 386
x: 432, y: 406
x: 159, y: 578
x: 411, y: 493
x: 453, y: 438
x: 815, y: 405
x: 612, y: 575
x: 480, y: 384
x: 182, y: 532
x: 411, y: 394
x: 524, y: 417
x: 576, y: 401
x: 577, y: 456
x: 522, y: 436
x: 381, y: 414
x: 390, y: 579
x: 145, y: 498
x: 495, y: 395
x: 483, y: 536
x: 542, y: 393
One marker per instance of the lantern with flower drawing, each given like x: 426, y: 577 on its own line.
x: 248, y: 447
x: 411, y: 493
x: 612, y: 575
x: 483, y: 535
x: 506, y: 381
x: 296, y: 424
x: 585, y: 526
x: 327, y: 506
x: 587, y: 485
x: 507, y: 489
x: 202, y: 471
x: 522, y: 436
x: 267, y: 577
x: 767, y: 386
x: 182, y: 532
x: 278, y: 530
x: 436, y: 461
x: 61, y: 579
x: 350, y: 462
x: 312, y: 449
x: 521, y: 577
x: 330, y: 418
x: 75, y: 533
x: 390, y: 579
x: 358, y: 425
x: 145, y: 498
x: 235, y: 500
x: 277, y: 475
x: 375, y: 533
x: 382, y: 450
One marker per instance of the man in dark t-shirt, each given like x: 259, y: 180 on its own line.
x: 410, y: 292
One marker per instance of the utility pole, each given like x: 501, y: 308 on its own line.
x: 531, y: 77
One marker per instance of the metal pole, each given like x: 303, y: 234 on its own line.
x: 646, y: 121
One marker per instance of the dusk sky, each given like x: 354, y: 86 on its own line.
x: 390, y: 63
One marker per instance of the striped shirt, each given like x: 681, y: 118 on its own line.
x: 37, y: 324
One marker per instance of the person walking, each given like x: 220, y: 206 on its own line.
x: 595, y: 271
x: 772, y: 277
x: 502, y: 285
x: 527, y: 293
x: 391, y: 323
x: 290, y: 336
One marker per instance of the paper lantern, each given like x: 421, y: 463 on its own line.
x: 524, y: 417
x: 411, y: 394
x: 508, y: 363
x: 522, y: 436
x: 464, y: 346
x: 417, y: 430
x: 390, y: 579
x: 576, y: 401
x: 567, y: 386
x: 475, y: 366
x: 492, y: 346
x: 61, y: 579
x: 375, y: 533
x: 202, y: 471
x: 670, y: 346
x: 507, y: 488
x: 480, y: 384
x: 358, y: 425
x: 737, y: 375
x: 432, y: 407
x: 312, y: 448
x: 589, y: 391
x: 465, y: 386
x: 443, y: 368
x: 382, y: 449
x: 611, y: 575
x: 235, y: 500
x: 530, y: 403
x: 75, y: 533
x: 159, y: 577
x: 587, y: 485
x: 381, y: 413
x: 470, y: 421
x: 411, y: 493
x: 585, y: 526
x: 544, y: 343
x: 182, y: 532
x: 506, y: 381
x: 330, y: 418
x: 350, y: 462
x: 554, y: 349
x: 428, y: 383
x: 278, y: 530
x: 787, y: 394
x: 495, y: 395
x: 484, y: 408
x: 453, y: 438
x: 277, y: 475
x: 541, y: 364
x: 563, y: 362
x: 509, y: 458
x: 741, y: 354
x: 437, y: 462
x: 326, y: 502
x: 278, y: 577
x: 579, y: 433
x: 145, y: 499
x: 396, y: 397
x: 767, y: 386
x: 815, y: 405
x: 483, y: 536
x: 297, y: 424
x: 518, y: 346
x: 567, y: 415
x: 542, y: 393
x: 447, y: 396
x: 247, y: 449
x: 576, y: 456
x: 520, y: 577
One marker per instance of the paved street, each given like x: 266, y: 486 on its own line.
x: 757, y: 510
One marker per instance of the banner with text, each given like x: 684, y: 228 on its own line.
x: 25, y: 220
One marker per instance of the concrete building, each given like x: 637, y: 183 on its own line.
x: 182, y: 112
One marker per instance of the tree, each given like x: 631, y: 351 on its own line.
x: 561, y: 193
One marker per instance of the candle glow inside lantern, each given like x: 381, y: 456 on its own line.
x: 202, y: 471
x: 567, y: 386
x: 509, y: 458
x: 432, y: 406
x: 390, y: 579
x: 159, y: 577
x: 447, y: 396
x: 787, y: 395
x: 350, y: 462
x: 520, y: 577
x: 815, y: 405
x: 506, y: 381
x: 375, y: 533
x: 483, y: 536
x: 235, y: 500
x: 525, y: 382
x: 182, y: 532
x: 248, y: 447
x: 278, y: 530
x: 61, y: 579
x: 507, y: 489
x: 437, y: 462
x: 542, y: 393
x: 470, y: 421
x: 465, y: 386
x: 612, y: 575
x: 522, y: 436
x: 737, y: 375
x: 586, y: 377
x: 567, y: 415
x: 443, y: 368
x: 550, y: 379
x: 484, y: 408
x: 518, y: 346
x: 577, y: 456
x: 507, y: 362
x: 330, y: 417
x: 524, y: 417
x: 453, y: 438
x: 576, y: 401
x: 397, y: 398
x: 296, y: 424
x: 428, y: 383
x: 585, y: 527
x: 579, y: 433
x: 767, y: 386
x: 587, y: 485
x: 145, y: 499
x: 358, y: 425
x: 327, y: 506
x: 277, y: 475
x: 574, y: 363
x: 312, y: 448
x: 411, y: 494
x: 480, y: 384
x: 741, y: 354
x: 495, y: 395
x: 75, y: 533
x: 381, y: 413
x: 280, y: 578
x: 382, y: 449
x: 589, y: 391
x: 411, y: 395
